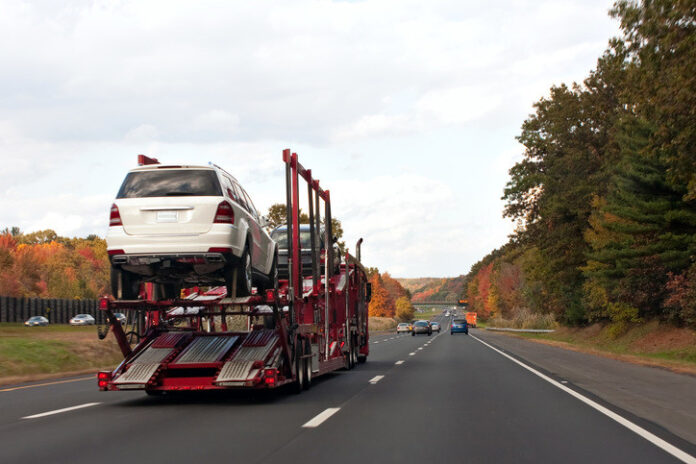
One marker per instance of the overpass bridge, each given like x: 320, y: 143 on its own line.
x: 439, y: 304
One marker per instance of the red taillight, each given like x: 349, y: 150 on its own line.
x: 116, y: 252
x: 115, y: 217
x: 219, y: 250
x: 103, y: 303
x: 224, y: 214
x: 270, y: 377
x: 103, y: 379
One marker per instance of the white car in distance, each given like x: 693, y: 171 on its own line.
x: 184, y: 226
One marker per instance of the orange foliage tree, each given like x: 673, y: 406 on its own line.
x: 382, y: 304
x: 44, y: 265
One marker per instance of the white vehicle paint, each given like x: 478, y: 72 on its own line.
x: 181, y: 226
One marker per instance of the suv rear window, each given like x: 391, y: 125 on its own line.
x: 280, y: 236
x: 170, y: 183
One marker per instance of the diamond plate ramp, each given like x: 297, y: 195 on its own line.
x: 137, y: 374
x: 235, y: 371
x: 152, y: 355
x: 206, y: 350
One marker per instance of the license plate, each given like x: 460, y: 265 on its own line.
x: 167, y: 216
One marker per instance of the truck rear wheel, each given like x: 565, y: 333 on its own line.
x: 308, y: 366
x: 299, y: 369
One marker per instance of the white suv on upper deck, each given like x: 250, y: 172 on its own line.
x: 182, y: 226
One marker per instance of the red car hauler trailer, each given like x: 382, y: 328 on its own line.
x: 310, y: 325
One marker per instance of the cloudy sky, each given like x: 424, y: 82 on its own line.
x: 406, y: 110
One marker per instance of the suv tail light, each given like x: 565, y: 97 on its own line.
x: 115, y: 217
x: 224, y: 214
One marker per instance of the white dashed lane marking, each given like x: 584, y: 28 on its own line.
x: 58, y: 411
x: 320, y: 418
x: 376, y: 379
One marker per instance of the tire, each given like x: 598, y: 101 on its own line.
x: 308, y: 367
x: 271, y: 281
x: 299, y: 384
x: 352, y: 356
x: 244, y: 274
x: 362, y: 359
x: 413, y: 334
x: 124, y: 285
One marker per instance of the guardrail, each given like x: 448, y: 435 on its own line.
x: 503, y: 329
x: 56, y: 310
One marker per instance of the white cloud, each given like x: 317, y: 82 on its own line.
x: 402, y: 107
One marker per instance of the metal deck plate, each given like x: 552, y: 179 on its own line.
x: 206, y: 350
x: 253, y: 353
x: 235, y: 371
x: 152, y: 355
x: 137, y: 374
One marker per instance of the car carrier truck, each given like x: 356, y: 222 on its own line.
x: 307, y: 326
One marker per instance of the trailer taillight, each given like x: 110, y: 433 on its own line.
x: 115, y: 217
x: 103, y: 303
x: 270, y: 377
x: 103, y: 379
x: 224, y: 214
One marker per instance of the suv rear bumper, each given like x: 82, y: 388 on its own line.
x: 219, y: 236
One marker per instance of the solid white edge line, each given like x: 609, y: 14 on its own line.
x: 58, y: 411
x: 317, y: 420
x: 398, y: 363
x: 654, y: 439
x: 376, y: 379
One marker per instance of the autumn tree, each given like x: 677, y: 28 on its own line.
x: 381, y: 304
x: 404, y: 309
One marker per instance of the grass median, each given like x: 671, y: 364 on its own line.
x: 34, y: 353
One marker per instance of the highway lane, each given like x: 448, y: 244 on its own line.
x: 131, y: 422
x: 453, y: 399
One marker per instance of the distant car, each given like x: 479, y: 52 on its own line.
x: 459, y: 326
x: 403, y: 327
x: 447, y: 314
x: 435, y: 326
x: 120, y: 317
x: 82, y: 319
x: 36, y: 320
x: 422, y: 327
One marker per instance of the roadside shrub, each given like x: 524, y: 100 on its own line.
x: 525, y: 319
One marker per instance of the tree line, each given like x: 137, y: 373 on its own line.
x: 604, y: 198
x: 44, y: 265
x: 389, y: 297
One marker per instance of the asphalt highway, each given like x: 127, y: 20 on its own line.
x: 441, y: 398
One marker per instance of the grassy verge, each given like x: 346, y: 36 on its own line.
x: 651, y: 343
x: 525, y: 320
x: 32, y: 353
x: 382, y: 324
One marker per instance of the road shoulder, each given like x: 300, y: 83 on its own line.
x: 657, y: 395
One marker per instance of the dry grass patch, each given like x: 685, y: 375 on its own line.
x: 381, y: 324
